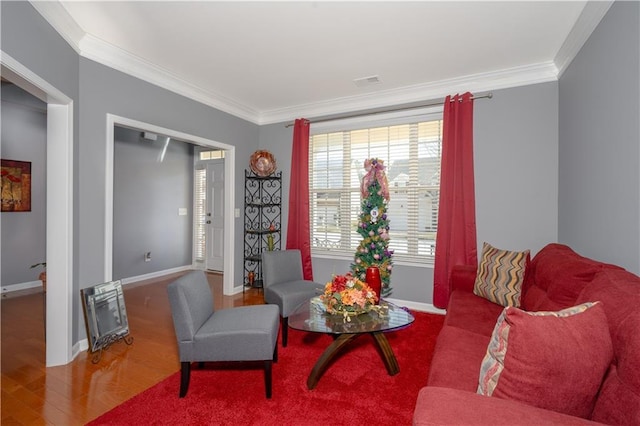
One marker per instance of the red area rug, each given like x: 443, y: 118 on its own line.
x: 355, y: 389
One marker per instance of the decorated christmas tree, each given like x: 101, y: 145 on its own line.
x: 373, y: 225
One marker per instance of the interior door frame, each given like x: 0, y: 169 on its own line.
x: 59, y: 205
x: 229, y: 188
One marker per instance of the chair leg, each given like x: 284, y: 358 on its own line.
x: 267, y: 377
x: 285, y: 331
x: 185, y: 375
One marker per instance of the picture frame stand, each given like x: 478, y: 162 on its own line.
x: 105, y: 317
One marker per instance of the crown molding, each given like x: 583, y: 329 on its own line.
x: 588, y: 20
x: 502, y: 79
x: 100, y: 51
x: 114, y: 57
x: 58, y: 17
x: 90, y: 47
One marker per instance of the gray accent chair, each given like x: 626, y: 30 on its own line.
x: 284, y: 284
x: 246, y: 333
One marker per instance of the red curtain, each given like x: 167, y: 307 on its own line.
x: 298, y: 231
x: 456, y: 237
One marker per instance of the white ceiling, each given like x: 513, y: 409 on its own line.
x: 274, y: 61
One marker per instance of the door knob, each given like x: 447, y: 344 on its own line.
x: 208, y: 222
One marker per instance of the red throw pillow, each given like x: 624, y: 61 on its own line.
x: 551, y: 360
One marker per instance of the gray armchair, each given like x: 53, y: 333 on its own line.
x: 247, y: 333
x: 284, y: 284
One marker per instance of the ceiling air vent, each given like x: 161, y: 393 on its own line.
x: 367, y: 81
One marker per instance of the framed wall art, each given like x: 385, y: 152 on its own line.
x: 16, y: 186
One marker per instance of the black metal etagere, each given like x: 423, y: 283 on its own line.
x: 262, y: 222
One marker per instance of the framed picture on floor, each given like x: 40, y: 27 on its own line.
x: 16, y: 186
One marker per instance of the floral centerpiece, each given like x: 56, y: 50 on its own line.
x: 346, y: 295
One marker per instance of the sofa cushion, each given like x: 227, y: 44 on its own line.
x: 555, y: 278
x: 456, y: 358
x: 500, y: 275
x: 551, y: 360
x: 443, y: 406
x: 473, y: 313
x: 619, y: 292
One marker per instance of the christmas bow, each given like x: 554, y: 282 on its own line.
x: 375, y: 172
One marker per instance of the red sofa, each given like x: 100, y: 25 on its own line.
x: 556, y: 278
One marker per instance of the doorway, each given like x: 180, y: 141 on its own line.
x: 228, y: 192
x: 59, y: 206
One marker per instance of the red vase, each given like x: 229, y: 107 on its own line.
x: 373, y: 280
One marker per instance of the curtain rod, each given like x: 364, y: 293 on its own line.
x: 342, y: 117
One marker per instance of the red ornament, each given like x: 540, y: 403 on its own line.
x: 373, y: 281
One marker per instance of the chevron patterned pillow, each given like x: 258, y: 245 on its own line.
x: 500, y: 275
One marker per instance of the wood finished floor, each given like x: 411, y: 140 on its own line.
x: 77, y: 393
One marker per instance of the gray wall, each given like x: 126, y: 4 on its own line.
x: 24, y: 138
x: 599, y: 181
x: 150, y: 184
x: 104, y: 90
x: 516, y: 167
x: 96, y: 91
x: 30, y: 40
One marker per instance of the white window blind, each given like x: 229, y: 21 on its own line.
x: 411, y: 152
x: 211, y: 155
x: 199, y: 219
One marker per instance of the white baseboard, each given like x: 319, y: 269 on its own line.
x: 81, y: 346
x: 157, y: 274
x: 237, y: 290
x: 21, y: 286
x: 418, y: 306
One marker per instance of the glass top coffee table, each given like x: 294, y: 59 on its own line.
x: 310, y: 316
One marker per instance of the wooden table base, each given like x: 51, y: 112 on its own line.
x: 386, y: 353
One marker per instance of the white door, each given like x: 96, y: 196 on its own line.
x: 215, y: 215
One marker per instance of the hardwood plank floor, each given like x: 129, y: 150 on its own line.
x: 79, y: 392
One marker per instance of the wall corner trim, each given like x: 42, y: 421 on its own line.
x: 587, y: 22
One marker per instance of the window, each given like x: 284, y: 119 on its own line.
x: 211, y: 155
x: 199, y: 210
x: 411, y: 151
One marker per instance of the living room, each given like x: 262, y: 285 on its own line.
x: 566, y: 151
